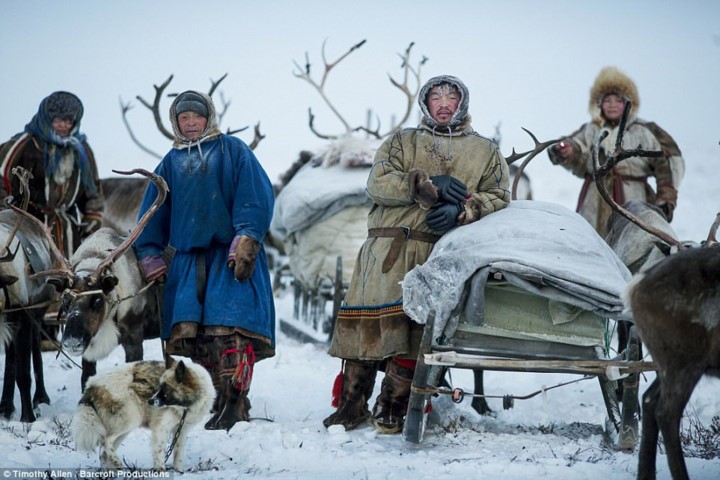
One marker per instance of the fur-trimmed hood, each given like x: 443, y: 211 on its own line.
x: 462, y: 110
x: 211, y: 129
x: 612, y: 80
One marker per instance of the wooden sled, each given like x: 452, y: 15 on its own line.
x: 518, y: 335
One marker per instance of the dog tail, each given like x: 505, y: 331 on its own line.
x: 87, y: 428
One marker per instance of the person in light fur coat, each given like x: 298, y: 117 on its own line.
x: 629, y: 179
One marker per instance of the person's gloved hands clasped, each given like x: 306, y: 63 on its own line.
x: 450, y: 189
x: 443, y: 217
x: 242, y: 255
x: 153, y: 268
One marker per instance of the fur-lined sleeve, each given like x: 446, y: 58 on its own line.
x: 493, y: 190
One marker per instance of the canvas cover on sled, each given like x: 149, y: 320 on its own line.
x: 560, y: 280
x: 319, y: 215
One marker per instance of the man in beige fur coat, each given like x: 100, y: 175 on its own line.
x: 424, y: 181
x: 629, y: 179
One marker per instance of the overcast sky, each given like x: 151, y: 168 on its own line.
x: 527, y: 64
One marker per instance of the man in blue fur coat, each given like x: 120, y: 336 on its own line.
x: 218, y: 303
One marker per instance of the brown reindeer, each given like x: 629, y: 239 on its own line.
x: 675, y: 305
x: 676, y: 310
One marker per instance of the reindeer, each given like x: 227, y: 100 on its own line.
x: 676, y: 309
x: 675, y: 305
x: 104, y: 299
x: 26, y: 247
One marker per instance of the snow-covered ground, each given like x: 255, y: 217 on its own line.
x: 556, y: 435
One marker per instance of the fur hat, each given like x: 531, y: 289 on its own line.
x: 191, y: 102
x: 461, y: 112
x: 612, y: 80
x: 63, y: 105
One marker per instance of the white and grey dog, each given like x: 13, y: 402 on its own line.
x: 151, y: 394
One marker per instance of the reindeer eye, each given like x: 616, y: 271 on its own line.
x: 97, y: 302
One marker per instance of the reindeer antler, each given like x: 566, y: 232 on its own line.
x: 64, y: 269
x: 619, y: 154
x: 539, y: 147
x: 154, y: 107
x: 712, y: 238
x: 162, y: 189
x: 304, y: 74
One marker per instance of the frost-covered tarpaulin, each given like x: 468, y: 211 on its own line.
x: 315, y: 194
x: 540, y: 247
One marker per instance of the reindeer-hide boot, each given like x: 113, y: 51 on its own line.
x: 358, y: 381
x: 388, y: 415
x: 237, y: 361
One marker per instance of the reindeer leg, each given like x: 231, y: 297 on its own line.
x: 41, y: 395
x: 131, y: 338
x: 675, y: 392
x: 648, y: 443
x: 88, y: 370
x: 7, y: 407
x: 23, y: 352
x: 479, y: 404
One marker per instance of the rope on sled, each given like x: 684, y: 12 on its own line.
x: 458, y: 394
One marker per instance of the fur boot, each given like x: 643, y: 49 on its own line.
x: 237, y: 360
x: 207, y: 354
x: 358, y: 381
x: 388, y: 415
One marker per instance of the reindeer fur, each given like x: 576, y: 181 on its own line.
x: 676, y: 309
x: 96, y: 323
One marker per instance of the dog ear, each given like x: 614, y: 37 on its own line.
x: 169, y: 361
x: 181, y: 372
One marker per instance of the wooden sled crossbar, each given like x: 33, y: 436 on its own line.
x: 612, y: 368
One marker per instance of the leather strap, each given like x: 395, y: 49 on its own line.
x: 200, y: 277
x: 399, y: 235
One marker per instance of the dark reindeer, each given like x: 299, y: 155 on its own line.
x: 25, y: 249
x: 676, y: 309
x: 675, y: 305
x: 104, y: 298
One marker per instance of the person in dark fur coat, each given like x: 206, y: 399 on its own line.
x: 218, y: 304
x: 424, y: 182
x: 629, y: 180
x: 64, y: 191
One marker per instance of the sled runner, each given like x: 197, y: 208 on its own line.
x: 531, y: 288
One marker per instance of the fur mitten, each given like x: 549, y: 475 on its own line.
x: 422, y: 189
x: 242, y: 256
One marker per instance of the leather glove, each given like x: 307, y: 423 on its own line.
x: 450, y: 189
x: 242, y: 256
x: 153, y: 268
x: 444, y: 217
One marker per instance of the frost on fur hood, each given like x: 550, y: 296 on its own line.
x: 462, y: 110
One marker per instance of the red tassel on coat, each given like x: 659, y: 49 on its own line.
x: 338, y: 387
